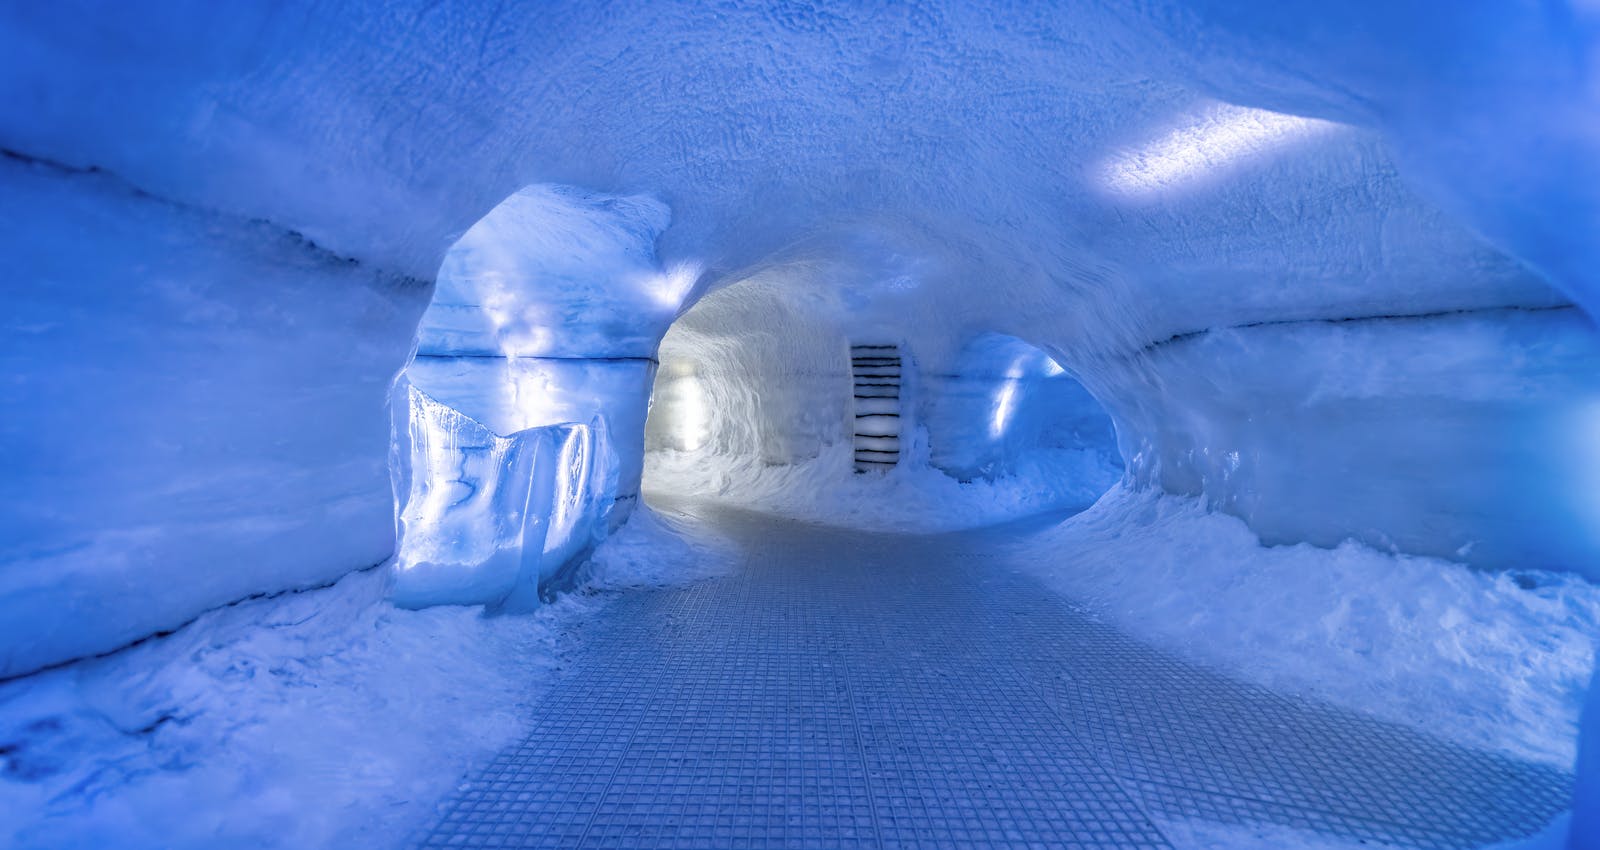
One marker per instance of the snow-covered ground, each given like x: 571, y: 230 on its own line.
x: 1497, y: 660
x: 325, y: 718
x: 328, y: 718
x: 909, y: 497
x: 1493, y: 660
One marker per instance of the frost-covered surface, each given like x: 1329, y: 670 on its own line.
x: 554, y: 271
x: 754, y: 406
x: 660, y: 545
x: 1494, y: 660
x: 1004, y: 400
x: 548, y: 311
x: 1464, y: 436
x: 316, y: 719
x: 326, y: 718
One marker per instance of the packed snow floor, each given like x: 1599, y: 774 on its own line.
x: 843, y: 688
x: 912, y: 496
x: 328, y: 718
x: 1492, y: 660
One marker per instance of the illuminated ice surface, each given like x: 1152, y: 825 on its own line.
x: 491, y: 519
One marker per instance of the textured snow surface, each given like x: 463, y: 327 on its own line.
x: 556, y: 272
x: 754, y: 405
x: 325, y: 718
x: 911, y: 497
x: 1493, y: 660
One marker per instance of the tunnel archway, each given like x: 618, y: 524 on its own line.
x: 754, y: 402
x: 1008, y: 409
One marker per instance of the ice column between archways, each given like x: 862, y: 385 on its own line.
x: 520, y: 421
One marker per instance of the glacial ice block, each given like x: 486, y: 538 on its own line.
x: 491, y: 519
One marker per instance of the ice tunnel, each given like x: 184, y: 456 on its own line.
x: 1164, y: 424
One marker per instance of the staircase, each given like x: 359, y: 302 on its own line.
x: 876, y: 371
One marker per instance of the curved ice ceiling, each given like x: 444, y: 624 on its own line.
x: 1162, y: 196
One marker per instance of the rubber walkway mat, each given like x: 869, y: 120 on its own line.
x: 847, y: 689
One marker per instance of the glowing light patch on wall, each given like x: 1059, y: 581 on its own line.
x: 693, y: 414
x: 1004, y: 406
x: 1579, y: 481
x: 672, y: 286
x: 1215, y: 141
x: 571, y: 495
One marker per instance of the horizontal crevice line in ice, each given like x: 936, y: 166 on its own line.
x: 165, y: 633
x: 1378, y: 317
x: 490, y: 355
x: 95, y: 171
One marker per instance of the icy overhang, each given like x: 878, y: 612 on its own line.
x: 556, y: 272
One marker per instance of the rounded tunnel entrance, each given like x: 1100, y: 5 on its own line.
x: 774, y: 400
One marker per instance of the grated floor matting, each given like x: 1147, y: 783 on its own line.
x: 847, y: 689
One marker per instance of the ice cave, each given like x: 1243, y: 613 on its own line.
x: 800, y: 424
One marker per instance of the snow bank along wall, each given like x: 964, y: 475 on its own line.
x: 1319, y: 261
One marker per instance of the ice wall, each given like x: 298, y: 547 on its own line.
x: 549, y: 311
x: 1461, y: 435
x: 194, y: 412
x: 528, y: 394
x: 756, y: 374
x: 1005, y: 400
x: 1077, y: 165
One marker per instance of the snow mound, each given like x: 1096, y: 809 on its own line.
x: 326, y: 718
x: 909, y: 497
x: 1493, y: 660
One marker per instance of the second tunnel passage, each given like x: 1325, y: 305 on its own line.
x: 845, y: 688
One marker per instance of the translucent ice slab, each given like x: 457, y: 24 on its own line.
x: 491, y: 519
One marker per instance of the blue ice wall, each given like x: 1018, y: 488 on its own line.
x: 491, y: 519
x: 194, y: 412
x: 548, y: 311
x: 1006, y: 401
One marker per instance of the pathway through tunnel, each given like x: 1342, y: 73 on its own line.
x: 850, y: 689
